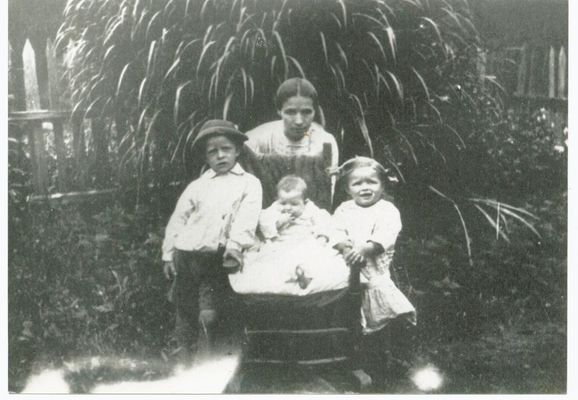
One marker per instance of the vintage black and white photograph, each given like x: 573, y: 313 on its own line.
x: 287, y: 196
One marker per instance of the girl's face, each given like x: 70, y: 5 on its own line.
x: 291, y: 202
x: 364, y: 186
x: 297, y: 113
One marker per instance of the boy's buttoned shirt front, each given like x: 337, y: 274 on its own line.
x: 215, y: 210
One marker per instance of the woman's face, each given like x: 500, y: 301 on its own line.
x: 297, y: 113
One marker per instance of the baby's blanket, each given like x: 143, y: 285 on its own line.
x: 297, y: 269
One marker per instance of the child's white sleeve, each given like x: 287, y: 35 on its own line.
x: 268, y: 222
x: 387, y: 227
x: 323, y: 224
x: 244, y: 223
x: 339, y: 227
x: 184, y: 208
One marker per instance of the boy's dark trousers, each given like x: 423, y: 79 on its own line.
x: 201, y: 288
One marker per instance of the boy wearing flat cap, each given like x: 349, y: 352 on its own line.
x: 214, y: 219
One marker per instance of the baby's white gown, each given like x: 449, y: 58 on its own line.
x: 271, y: 268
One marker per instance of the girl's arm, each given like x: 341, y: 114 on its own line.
x: 343, y: 243
x: 184, y: 208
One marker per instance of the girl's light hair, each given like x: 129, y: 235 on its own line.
x: 361, y: 162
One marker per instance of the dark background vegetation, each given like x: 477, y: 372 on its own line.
x: 481, y: 179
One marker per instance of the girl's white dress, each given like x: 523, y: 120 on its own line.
x: 272, y: 268
x: 380, y: 223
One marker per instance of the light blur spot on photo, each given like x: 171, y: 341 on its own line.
x: 210, y: 376
x: 428, y: 378
x: 47, y: 382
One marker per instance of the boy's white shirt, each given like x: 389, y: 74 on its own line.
x: 211, y: 205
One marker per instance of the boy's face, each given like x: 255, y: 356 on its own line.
x: 291, y: 202
x: 221, y: 154
x: 364, y: 186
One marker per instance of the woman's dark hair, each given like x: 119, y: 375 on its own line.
x: 295, y: 87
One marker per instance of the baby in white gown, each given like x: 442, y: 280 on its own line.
x: 296, y: 256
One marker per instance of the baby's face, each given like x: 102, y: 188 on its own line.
x: 364, y: 186
x: 291, y: 202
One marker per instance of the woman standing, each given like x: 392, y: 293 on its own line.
x: 295, y: 133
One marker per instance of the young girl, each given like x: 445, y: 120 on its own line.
x: 297, y: 256
x: 369, y: 226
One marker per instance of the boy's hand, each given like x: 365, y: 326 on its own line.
x: 235, y: 255
x: 169, y: 269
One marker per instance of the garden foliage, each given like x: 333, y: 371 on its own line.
x: 397, y: 80
x: 86, y: 283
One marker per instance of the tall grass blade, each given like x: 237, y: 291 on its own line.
x: 522, y: 220
x: 343, y: 12
x: 435, y: 27
x: 297, y: 66
x: 121, y: 78
x: 342, y: 55
x: 504, y: 205
x: 324, y: 47
x: 379, y: 46
x: 141, y: 93
x: 422, y: 83
x: 202, y: 57
x: 178, y: 96
x: 398, y: 85
x: 494, y: 224
x: 283, y: 53
x: 392, y: 43
x: 226, y: 106
x: 463, y: 222
x: 360, y: 120
x: 408, y: 144
x: 172, y: 69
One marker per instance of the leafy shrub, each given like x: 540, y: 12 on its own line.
x: 87, y: 284
x: 516, y: 273
x: 392, y: 75
x: 523, y: 153
x: 509, y: 282
x: 398, y: 80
